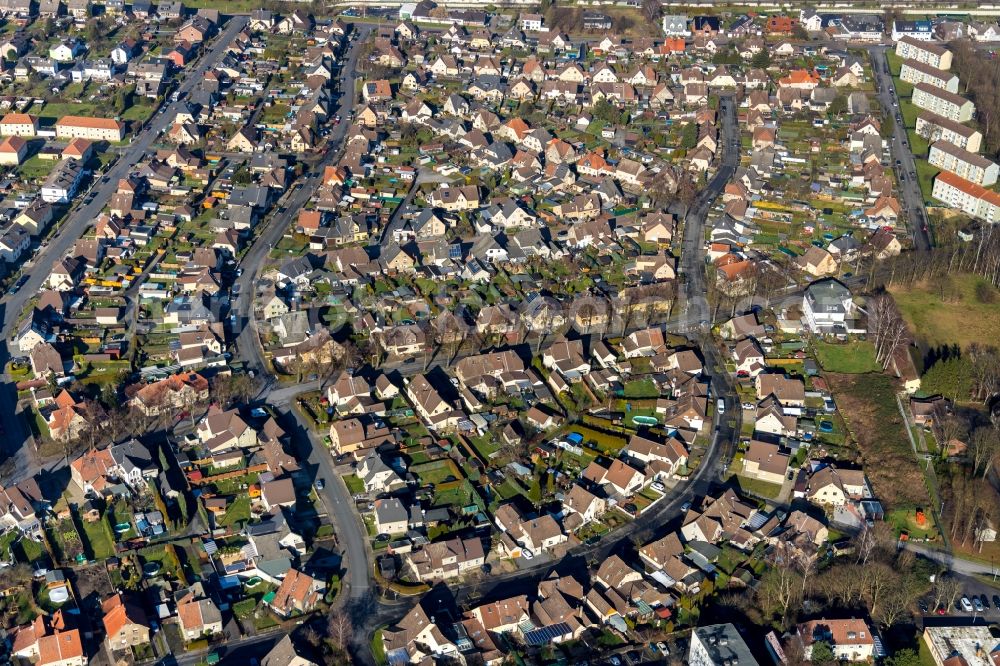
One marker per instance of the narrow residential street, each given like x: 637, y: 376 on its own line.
x: 244, y: 329
x: 910, y: 195
x: 14, y: 437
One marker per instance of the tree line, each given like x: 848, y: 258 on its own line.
x: 982, y: 83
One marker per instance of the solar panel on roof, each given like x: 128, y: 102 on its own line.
x: 545, y: 635
x: 758, y: 521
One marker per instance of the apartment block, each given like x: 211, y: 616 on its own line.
x: 970, y: 166
x: 933, y: 127
x: 973, y: 200
x: 61, y: 184
x: 919, y: 30
x: 951, y: 106
x: 925, y: 52
x: 914, y: 71
x: 93, y: 129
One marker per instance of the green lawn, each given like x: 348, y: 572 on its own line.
x: 57, y: 110
x: 758, y: 487
x: 437, y: 472
x: 925, y: 176
x: 7, y: 542
x: 354, y: 484
x: 238, y: 513
x: 35, y: 168
x: 895, y: 62
x: 100, y: 543
x: 919, y: 146
x: 30, y: 551
x: 378, y: 647
x: 852, y: 358
x: 904, y: 520
x: 484, y: 445
x: 960, y: 318
x: 165, y: 555
x: 903, y: 88
x: 641, y: 388
x: 139, y: 112
x: 909, y: 112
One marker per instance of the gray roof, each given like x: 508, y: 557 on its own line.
x: 828, y: 295
x: 391, y: 511
x: 133, y: 454
x: 725, y: 645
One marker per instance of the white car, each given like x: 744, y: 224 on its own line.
x: 966, y: 604
x: 749, y: 405
x: 657, y: 486
x: 527, y: 554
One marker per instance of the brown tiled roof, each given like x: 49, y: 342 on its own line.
x: 89, y: 122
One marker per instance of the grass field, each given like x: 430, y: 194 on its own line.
x: 919, y: 146
x: 35, y: 168
x: 237, y: 513
x: 895, y: 62
x: 354, y: 485
x: 904, y: 520
x: 903, y: 88
x: 868, y: 404
x: 57, y: 110
x: 99, y: 539
x: 852, y: 358
x: 641, y: 388
x: 758, y: 487
x: 909, y: 111
x: 925, y: 176
x: 936, y: 322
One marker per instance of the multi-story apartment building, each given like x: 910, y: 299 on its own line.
x: 914, y: 71
x: 926, y: 52
x: 933, y: 127
x: 943, y: 103
x: 970, y: 166
x: 94, y: 129
x: 971, y: 199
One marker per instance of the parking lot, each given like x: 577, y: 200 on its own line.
x: 976, y: 599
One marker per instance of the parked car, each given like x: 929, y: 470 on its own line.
x: 966, y: 604
x: 527, y: 554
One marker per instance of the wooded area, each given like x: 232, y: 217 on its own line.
x: 982, y: 83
